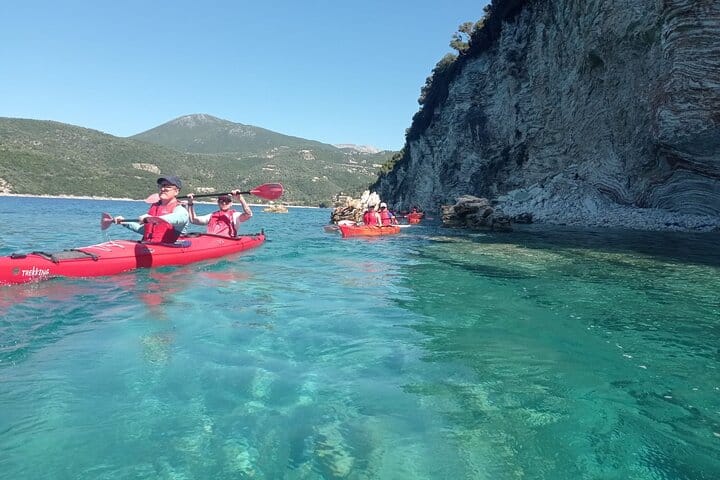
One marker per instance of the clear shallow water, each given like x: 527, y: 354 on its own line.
x: 434, y: 354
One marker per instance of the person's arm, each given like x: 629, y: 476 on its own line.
x: 201, y: 219
x: 179, y: 218
x: 134, y: 226
x: 246, y: 213
x: 191, y: 208
x: 192, y: 216
x: 191, y: 213
x: 240, y: 217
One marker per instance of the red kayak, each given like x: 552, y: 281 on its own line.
x: 118, y: 256
x: 368, y: 230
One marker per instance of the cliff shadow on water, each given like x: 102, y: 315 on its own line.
x: 674, y: 247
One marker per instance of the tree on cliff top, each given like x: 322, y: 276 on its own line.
x: 462, y: 38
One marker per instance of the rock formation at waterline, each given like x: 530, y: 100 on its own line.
x: 580, y: 112
x: 351, y: 209
x: 475, y: 214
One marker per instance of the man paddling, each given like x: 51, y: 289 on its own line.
x: 166, y: 219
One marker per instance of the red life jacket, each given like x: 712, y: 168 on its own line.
x: 221, y: 223
x: 386, y: 216
x: 369, y: 218
x: 162, y: 232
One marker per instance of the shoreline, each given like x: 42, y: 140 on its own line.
x: 611, y: 216
x: 92, y: 197
x: 70, y: 197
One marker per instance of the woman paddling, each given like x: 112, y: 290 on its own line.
x: 224, y: 221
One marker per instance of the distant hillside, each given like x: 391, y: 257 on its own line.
x: 201, y: 133
x: 45, y: 157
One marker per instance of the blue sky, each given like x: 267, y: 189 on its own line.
x: 334, y: 71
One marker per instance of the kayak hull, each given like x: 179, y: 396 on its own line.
x: 117, y: 256
x: 368, y: 230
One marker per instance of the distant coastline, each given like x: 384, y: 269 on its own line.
x: 70, y: 197
x: 88, y: 197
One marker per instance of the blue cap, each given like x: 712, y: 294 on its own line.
x: 172, y: 179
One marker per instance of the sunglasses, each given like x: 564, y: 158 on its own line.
x: 224, y: 200
x: 166, y: 186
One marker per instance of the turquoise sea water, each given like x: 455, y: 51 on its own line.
x: 435, y: 354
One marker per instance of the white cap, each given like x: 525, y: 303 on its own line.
x: 383, y: 204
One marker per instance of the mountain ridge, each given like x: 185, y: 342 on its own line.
x: 45, y: 157
x: 204, y: 133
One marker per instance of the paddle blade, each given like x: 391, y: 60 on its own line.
x: 154, y: 198
x: 105, y: 221
x: 268, y: 191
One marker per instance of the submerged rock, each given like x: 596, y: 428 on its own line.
x: 475, y: 213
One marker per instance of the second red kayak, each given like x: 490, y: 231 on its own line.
x: 118, y: 256
x: 414, y: 218
x: 368, y: 230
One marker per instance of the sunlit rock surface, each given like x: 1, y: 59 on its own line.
x: 600, y: 112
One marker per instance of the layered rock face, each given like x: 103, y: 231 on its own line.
x: 580, y: 109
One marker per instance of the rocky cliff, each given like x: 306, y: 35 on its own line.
x: 587, y: 112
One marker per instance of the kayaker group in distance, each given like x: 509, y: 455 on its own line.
x: 384, y: 217
x: 167, y: 218
x: 367, y: 216
x: 371, y: 217
x: 414, y: 216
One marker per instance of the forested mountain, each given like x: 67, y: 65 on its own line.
x: 202, y: 133
x: 210, y: 154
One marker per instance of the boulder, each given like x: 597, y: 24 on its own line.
x: 475, y: 213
